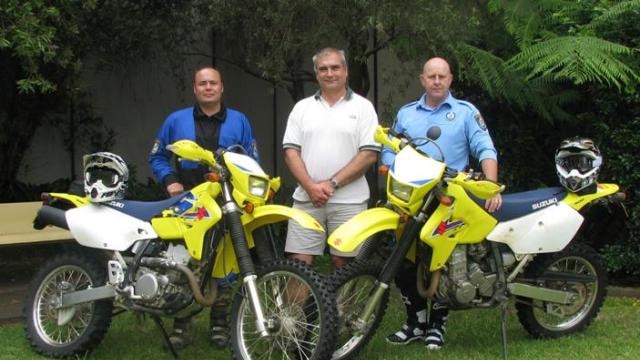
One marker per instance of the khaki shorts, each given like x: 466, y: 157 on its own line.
x: 331, y: 216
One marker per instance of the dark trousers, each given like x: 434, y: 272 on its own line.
x: 406, y: 280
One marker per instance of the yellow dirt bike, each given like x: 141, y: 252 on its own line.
x: 167, y: 259
x: 469, y: 258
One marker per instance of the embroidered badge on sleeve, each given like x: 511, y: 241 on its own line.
x: 480, y: 122
x: 156, y: 147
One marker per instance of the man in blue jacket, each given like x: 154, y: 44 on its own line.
x: 209, y: 123
x: 212, y: 125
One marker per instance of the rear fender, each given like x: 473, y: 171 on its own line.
x: 579, y: 201
x: 52, y: 202
x: 359, y: 228
x: 74, y: 200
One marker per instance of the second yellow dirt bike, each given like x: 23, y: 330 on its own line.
x: 167, y: 259
x: 469, y: 258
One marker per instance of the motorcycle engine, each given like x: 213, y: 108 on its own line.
x: 163, y: 288
x: 468, y: 278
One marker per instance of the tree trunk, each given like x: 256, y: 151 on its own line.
x: 359, y: 78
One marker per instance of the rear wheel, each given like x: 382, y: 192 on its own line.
x: 551, y: 320
x: 299, y: 313
x: 354, y: 285
x: 65, y: 331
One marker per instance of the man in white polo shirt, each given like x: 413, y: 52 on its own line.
x: 328, y: 145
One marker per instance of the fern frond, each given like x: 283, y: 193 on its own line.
x: 579, y: 59
x: 527, y: 20
x: 506, y: 84
x: 614, y: 12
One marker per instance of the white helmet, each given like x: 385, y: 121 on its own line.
x: 578, y: 162
x: 105, y: 176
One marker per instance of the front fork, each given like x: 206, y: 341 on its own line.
x: 245, y: 262
x: 390, y: 268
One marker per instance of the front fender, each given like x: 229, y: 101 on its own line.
x: 269, y: 214
x: 359, y: 228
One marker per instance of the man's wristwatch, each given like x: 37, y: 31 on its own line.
x: 334, y: 184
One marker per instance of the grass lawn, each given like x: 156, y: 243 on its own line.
x: 473, y: 334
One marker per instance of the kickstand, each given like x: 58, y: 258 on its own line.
x: 158, y: 322
x: 503, y: 328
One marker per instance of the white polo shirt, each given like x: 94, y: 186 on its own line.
x: 328, y: 137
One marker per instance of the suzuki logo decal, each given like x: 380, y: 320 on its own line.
x: 544, y: 203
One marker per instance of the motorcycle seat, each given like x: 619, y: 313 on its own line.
x: 518, y: 204
x: 145, y: 210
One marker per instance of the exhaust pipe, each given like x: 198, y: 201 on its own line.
x: 430, y: 292
x: 49, y: 215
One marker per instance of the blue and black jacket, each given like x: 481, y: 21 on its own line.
x: 226, y: 128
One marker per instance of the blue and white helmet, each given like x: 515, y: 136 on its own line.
x: 105, y: 176
x: 578, y: 162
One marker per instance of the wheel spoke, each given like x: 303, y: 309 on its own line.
x: 292, y: 313
x: 64, y: 279
x: 557, y: 317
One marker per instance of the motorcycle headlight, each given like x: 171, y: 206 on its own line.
x: 258, y: 186
x: 400, y: 190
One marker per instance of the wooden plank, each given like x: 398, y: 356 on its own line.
x: 16, y: 225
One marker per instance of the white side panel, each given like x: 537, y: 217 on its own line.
x: 102, y: 227
x: 410, y: 166
x: 547, y: 230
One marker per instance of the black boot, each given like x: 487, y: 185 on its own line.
x: 434, y: 339
x: 181, y: 336
x: 219, y: 320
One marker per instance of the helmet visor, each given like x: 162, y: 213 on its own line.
x: 581, y: 163
x: 109, y: 177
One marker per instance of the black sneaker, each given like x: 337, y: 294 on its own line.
x: 407, y: 334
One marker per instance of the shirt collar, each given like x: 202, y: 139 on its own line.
x: 200, y: 116
x: 422, y: 103
x: 347, y: 96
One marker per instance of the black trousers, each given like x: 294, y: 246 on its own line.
x: 406, y: 281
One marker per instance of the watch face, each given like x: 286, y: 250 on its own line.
x: 334, y: 183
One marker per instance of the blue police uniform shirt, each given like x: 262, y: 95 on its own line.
x: 463, y: 133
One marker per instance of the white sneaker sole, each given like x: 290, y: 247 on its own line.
x: 406, y: 342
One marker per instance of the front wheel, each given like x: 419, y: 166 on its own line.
x: 299, y: 311
x: 551, y: 320
x: 354, y: 286
x: 56, y: 331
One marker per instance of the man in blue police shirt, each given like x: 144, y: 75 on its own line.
x: 212, y: 125
x: 464, y: 133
